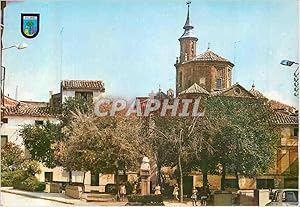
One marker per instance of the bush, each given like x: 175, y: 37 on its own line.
x: 111, y: 188
x: 6, y: 180
x: 41, y: 187
x: 129, y: 188
x: 30, y: 184
x: 150, y: 200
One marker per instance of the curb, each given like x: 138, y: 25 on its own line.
x: 32, y: 196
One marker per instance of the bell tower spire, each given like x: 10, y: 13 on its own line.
x: 188, y: 40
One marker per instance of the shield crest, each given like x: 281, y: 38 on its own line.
x: 30, y: 25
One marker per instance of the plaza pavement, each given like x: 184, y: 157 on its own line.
x: 63, y: 199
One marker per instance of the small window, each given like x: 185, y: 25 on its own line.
x: 48, y: 176
x: 4, y: 140
x: 296, y: 131
x: 39, y: 122
x: 219, y: 83
x: 5, y: 120
x: 85, y: 95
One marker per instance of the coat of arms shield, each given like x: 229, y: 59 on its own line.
x: 30, y: 25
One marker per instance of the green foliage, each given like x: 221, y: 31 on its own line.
x: 31, y: 167
x: 40, y: 141
x: 111, y: 188
x: 30, y: 184
x: 18, y: 172
x: 149, y: 200
x: 105, y: 144
x: 73, y: 105
x: 12, y: 157
x: 129, y: 187
x: 245, y: 138
x: 12, y: 178
x: 19, y: 179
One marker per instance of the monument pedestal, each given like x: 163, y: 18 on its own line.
x: 145, y: 176
x: 145, y: 185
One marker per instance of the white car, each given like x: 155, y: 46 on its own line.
x: 285, y: 197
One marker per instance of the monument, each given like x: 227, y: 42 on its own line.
x: 145, y: 176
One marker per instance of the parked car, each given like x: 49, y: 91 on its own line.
x: 285, y: 197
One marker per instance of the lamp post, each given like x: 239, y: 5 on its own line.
x: 2, y: 79
x: 296, y: 75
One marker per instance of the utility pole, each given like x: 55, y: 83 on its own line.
x: 2, y: 5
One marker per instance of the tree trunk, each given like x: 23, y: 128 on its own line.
x: 158, y: 179
x: 83, y: 186
x: 117, y: 184
x: 181, y: 178
x: 237, y: 179
x: 205, y: 181
x: 70, y: 177
x: 223, y: 177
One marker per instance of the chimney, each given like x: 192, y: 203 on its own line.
x: 50, y: 93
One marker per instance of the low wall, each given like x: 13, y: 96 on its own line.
x: 73, y: 191
x: 222, y: 198
x: 52, y: 188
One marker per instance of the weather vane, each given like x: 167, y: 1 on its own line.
x: 188, y: 3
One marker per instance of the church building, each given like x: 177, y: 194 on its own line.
x: 208, y: 70
x: 209, y: 74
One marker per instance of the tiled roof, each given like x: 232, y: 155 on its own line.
x: 256, y: 93
x: 27, y: 110
x: 283, y: 118
x: 83, y: 84
x: 195, y: 88
x: 276, y: 105
x: 209, y: 56
x: 10, y: 101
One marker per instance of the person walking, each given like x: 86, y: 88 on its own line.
x: 194, y: 196
x: 122, y: 192
x: 157, y: 190
x: 176, y: 192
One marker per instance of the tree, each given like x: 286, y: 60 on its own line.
x: 42, y: 141
x: 39, y: 140
x: 12, y: 157
x: 245, y: 138
x: 185, y: 141
x: 102, y: 144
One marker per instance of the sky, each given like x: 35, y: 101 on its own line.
x: 132, y: 45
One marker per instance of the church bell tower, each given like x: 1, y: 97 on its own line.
x: 188, y: 40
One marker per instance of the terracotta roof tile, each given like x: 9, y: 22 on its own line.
x: 28, y: 110
x: 276, y: 105
x: 209, y: 56
x: 283, y: 118
x: 83, y: 84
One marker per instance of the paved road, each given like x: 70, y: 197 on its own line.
x: 8, y: 199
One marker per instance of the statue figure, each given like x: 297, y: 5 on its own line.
x: 145, y: 166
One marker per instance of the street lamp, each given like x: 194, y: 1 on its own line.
x: 18, y: 46
x: 296, y: 74
x: 2, y: 79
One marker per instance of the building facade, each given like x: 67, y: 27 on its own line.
x: 209, y: 74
